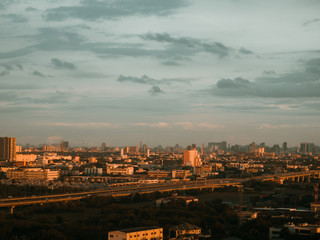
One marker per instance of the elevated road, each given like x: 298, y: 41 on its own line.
x: 160, y: 187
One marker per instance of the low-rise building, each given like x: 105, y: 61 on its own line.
x: 186, y: 199
x: 141, y: 233
x: 184, y: 231
x: 33, y: 174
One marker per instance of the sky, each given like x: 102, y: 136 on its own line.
x: 161, y: 72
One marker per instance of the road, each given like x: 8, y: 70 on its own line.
x: 148, y: 188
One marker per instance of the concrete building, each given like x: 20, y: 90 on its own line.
x: 186, y: 199
x: 93, y: 171
x: 120, y: 170
x: 141, y: 233
x: 7, y: 149
x: 191, y: 158
x: 33, y: 174
x: 303, y: 147
x: 184, y: 231
x: 133, y: 150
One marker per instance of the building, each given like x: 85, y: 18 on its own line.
x: 285, y: 146
x: 184, y: 231
x: 33, y: 174
x: 7, y: 149
x: 275, y: 233
x: 185, y: 199
x: 141, y: 233
x: 93, y: 171
x: 133, y: 150
x: 191, y: 158
x: 159, y: 174
x: 303, y: 147
x: 120, y: 170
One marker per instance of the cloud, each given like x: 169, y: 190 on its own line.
x: 92, y: 10
x: 311, y: 22
x: 23, y: 98
x: 281, y: 126
x: 269, y: 72
x: 245, y: 51
x: 16, y: 18
x: 195, y: 126
x: 236, y: 83
x: 184, y: 125
x: 303, y: 84
x: 153, y: 125
x: 155, y: 90
x: 38, y: 74
x: 59, y: 64
x: 195, y: 44
x: 83, y: 125
x: 4, y: 73
x: 171, y: 63
x: 150, y: 81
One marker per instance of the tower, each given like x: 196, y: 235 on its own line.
x: 191, y: 158
x: 8, y: 149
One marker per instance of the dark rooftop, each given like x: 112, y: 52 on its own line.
x: 138, y: 229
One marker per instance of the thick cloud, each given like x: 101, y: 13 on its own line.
x: 147, y: 80
x: 292, y: 85
x: 91, y: 10
x: 59, y: 64
x: 236, y: 83
x: 155, y: 90
x: 198, y: 45
x: 245, y: 51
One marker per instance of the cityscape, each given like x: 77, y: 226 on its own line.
x: 159, y: 120
x: 253, y: 183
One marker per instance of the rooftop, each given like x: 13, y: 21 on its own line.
x: 138, y: 229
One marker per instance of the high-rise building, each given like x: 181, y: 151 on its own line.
x: 285, y: 146
x: 303, y: 147
x: 64, y: 145
x: 223, y: 146
x: 252, y: 147
x: 7, y: 149
x: 191, y: 158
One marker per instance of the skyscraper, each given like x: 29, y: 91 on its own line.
x: 303, y: 147
x: 285, y: 146
x: 7, y: 149
x: 191, y: 158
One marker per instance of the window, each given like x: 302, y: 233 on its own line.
x: 111, y: 235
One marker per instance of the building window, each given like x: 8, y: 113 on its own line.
x: 111, y: 235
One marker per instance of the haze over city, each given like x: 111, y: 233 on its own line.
x: 160, y: 72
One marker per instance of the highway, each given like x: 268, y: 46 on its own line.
x: 117, y: 191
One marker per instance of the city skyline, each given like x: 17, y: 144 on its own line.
x: 160, y: 72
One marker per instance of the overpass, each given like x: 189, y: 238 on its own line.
x: 11, y: 203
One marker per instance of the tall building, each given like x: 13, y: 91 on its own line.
x: 7, y: 149
x: 285, y: 146
x: 303, y: 147
x: 223, y: 146
x: 191, y: 158
x: 64, y: 145
x: 252, y: 147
